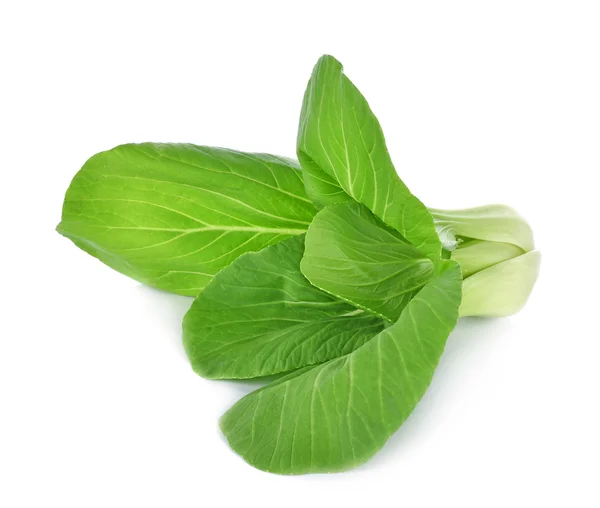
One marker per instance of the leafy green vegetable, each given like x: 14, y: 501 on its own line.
x: 353, y: 316
x: 171, y: 216
x: 337, y: 415
x: 350, y: 253
x: 344, y: 157
x: 260, y: 316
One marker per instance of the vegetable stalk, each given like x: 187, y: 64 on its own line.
x: 494, y: 247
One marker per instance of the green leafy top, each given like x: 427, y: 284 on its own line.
x: 353, y: 316
x: 172, y: 215
x: 344, y: 157
x: 351, y: 254
x: 337, y: 415
x: 260, y: 316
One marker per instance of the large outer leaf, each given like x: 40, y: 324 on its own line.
x: 337, y: 415
x: 260, y: 316
x: 350, y: 253
x: 173, y: 215
x: 344, y: 156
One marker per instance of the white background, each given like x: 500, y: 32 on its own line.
x: 480, y: 101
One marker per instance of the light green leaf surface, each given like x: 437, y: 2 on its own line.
x: 352, y: 254
x: 339, y: 414
x: 344, y: 156
x: 502, y: 289
x: 172, y: 215
x: 260, y: 316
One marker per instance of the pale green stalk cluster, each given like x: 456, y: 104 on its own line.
x: 494, y: 246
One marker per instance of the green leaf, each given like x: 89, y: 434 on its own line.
x: 172, y: 215
x: 260, y: 316
x: 352, y: 254
x: 344, y: 156
x: 337, y: 415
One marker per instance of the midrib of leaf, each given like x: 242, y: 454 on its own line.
x: 260, y: 212
x: 370, y: 155
x: 271, y: 336
x: 257, y: 229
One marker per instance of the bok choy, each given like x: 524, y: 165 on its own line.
x: 326, y: 272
